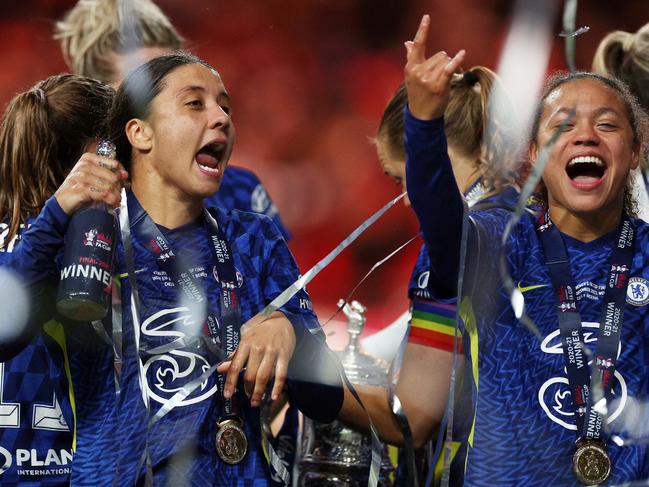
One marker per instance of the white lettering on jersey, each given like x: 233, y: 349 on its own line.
x: 9, y: 411
x: 49, y: 417
x: 28, y: 462
x: 4, y: 231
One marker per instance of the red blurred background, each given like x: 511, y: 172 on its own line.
x: 309, y: 80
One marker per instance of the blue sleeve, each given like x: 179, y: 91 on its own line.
x: 33, y: 261
x: 242, y: 190
x: 314, y: 382
x: 436, y: 199
x: 34, y: 257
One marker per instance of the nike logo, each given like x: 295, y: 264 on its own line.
x: 524, y: 289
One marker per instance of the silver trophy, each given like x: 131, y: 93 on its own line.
x: 334, y: 454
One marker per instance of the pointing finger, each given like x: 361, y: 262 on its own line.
x: 417, y: 52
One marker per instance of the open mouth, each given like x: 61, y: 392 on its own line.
x: 209, y: 157
x: 586, y: 169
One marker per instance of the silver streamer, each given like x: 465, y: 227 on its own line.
x: 343, y: 302
x: 269, y: 452
x: 450, y: 404
x: 302, y: 281
x: 569, y: 23
x: 299, y: 284
x: 516, y: 298
x: 125, y: 229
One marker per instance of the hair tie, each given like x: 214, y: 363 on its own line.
x: 40, y: 95
x: 470, y: 78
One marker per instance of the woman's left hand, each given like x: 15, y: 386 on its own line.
x: 264, y: 350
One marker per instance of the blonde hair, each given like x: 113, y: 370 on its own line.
x: 626, y: 56
x: 95, y: 29
x: 466, y: 121
x: 43, y: 133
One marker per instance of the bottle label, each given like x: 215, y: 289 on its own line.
x: 85, y: 287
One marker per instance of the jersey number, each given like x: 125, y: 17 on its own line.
x: 44, y: 416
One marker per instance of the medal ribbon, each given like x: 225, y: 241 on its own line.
x: 588, y: 420
x: 278, y: 302
x: 227, y: 332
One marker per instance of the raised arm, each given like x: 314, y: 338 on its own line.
x: 431, y: 185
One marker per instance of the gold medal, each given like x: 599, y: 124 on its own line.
x: 591, y: 463
x: 231, y: 442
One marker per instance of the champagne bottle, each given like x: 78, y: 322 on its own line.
x: 86, y: 274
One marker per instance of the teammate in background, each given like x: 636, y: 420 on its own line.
x: 176, y: 139
x: 481, y: 180
x: 626, y: 56
x: 579, y: 262
x: 106, y: 39
x: 44, y: 131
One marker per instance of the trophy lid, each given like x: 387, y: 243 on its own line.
x: 360, y: 367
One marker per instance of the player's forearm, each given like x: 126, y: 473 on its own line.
x: 375, y: 400
x: 436, y: 199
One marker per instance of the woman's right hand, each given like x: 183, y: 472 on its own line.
x: 428, y: 81
x: 93, y: 178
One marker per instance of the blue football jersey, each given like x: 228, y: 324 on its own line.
x: 241, y: 190
x: 111, y: 428
x: 36, y: 420
x: 36, y: 400
x: 523, y: 430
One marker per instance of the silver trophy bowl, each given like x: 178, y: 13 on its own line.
x: 333, y: 454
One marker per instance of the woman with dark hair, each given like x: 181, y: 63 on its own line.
x: 192, y: 285
x: 105, y: 39
x: 580, y: 268
x: 44, y: 132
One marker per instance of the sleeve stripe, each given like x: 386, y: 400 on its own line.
x: 428, y: 306
x: 433, y: 340
x: 433, y: 326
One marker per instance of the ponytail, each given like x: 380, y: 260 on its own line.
x: 626, y: 56
x: 610, y: 53
x: 24, y: 141
x: 467, y: 125
x: 470, y: 130
x: 43, y: 133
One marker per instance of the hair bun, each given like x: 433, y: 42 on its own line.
x: 470, y: 78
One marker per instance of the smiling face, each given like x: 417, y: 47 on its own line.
x: 589, y: 165
x: 188, y: 134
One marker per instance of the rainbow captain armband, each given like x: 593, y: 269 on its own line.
x: 433, y: 324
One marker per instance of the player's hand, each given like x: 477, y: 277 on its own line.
x: 265, y: 350
x: 428, y: 81
x: 93, y: 178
